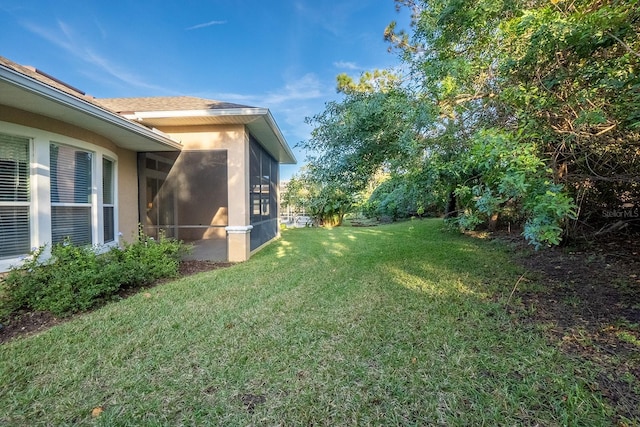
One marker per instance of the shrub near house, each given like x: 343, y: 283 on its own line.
x: 76, y: 278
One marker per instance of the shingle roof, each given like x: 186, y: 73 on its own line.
x: 112, y: 117
x: 124, y: 105
x: 45, y: 78
x: 26, y: 88
x: 164, y: 103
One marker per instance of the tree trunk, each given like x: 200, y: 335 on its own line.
x: 493, y: 222
x: 451, y: 211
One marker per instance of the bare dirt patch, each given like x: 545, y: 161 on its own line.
x: 250, y: 401
x: 589, y: 305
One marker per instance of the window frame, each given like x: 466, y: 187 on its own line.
x: 103, y: 206
x: 40, y: 188
x: 75, y: 205
x: 21, y: 203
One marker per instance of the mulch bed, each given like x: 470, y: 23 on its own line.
x: 589, y: 304
x: 26, y: 323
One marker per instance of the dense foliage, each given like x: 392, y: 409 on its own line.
x: 351, y: 140
x: 326, y: 202
x: 508, y: 110
x: 76, y: 278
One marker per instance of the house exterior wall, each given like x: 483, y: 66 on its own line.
x: 36, y: 121
x: 127, y: 178
x: 235, y: 140
x: 126, y: 161
x: 42, y: 131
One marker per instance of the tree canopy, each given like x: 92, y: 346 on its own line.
x: 506, y: 110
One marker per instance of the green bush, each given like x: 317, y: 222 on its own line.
x: 76, y: 278
x: 147, y: 259
x: 402, y: 196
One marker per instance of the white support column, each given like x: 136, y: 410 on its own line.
x: 41, y: 194
x: 239, y: 242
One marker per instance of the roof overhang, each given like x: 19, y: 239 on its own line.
x: 259, y: 122
x: 25, y: 93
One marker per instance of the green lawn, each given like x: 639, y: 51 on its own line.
x: 402, y: 324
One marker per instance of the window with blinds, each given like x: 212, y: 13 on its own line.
x: 15, y: 236
x: 108, y: 206
x: 70, y: 172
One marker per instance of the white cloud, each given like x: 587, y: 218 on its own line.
x: 118, y: 72
x: 206, y: 24
x: 304, y: 89
x: 290, y: 104
x: 64, y: 37
x: 347, y: 65
x: 49, y: 35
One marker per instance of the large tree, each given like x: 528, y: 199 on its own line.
x: 558, y: 79
x: 522, y: 110
x: 354, y: 138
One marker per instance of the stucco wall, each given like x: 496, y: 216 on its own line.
x: 48, y: 124
x: 127, y: 194
x: 127, y: 181
x: 235, y: 140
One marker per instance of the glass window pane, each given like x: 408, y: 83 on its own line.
x: 72, y: 222
x: 150, y: 163
x: 14, y: 169
x: 264, y: 200
x: 70, y: 183
x: 14, y: 231
x: 107, y: 181
x: 108, y: 211
x: 109, y: 227
x: 70, y: 175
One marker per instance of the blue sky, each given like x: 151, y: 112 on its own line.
x: 280, y: 54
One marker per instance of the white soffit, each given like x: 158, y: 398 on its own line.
x: 259, y: 121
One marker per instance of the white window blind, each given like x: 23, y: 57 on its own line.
x: 70, y: 172
x: 108, y: 200
x: 14, y: 196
